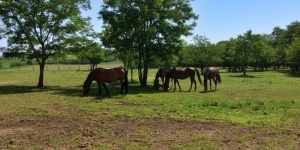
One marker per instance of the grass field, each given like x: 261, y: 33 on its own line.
x: 259, y: 111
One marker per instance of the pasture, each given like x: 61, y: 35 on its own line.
x: 259, y: 111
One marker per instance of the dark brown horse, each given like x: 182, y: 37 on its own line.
x: 103, y: 76
x: 161, y: 73
x: 211, y: 73
x: 182, y: 73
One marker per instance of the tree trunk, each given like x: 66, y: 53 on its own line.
x: 145, y: 75
x: 244, y: 70
x: 41, y: 77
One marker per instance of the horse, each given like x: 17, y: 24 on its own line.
x: 182, y: 73
x: 211, y: 73
x: 161, y: 73
x: 103, y: 76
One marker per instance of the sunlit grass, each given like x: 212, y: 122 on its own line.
x: 269, y: 100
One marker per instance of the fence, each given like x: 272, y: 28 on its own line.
x: 59, y: 67
x: 48, y: 68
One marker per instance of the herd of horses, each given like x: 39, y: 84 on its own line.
x: 103, y: 76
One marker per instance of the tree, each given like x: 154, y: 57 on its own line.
x: 279, y: 44
x: 202, y: 53
x: 151, y: 29
x: 42, y: 27
x: 293, y: 55
x: 230, y: 57
x: 292, y: 49
x: 261, y: 52
x: 244, y: 43
x: 93, y: 53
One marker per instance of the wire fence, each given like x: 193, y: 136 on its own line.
x: 56, y: 67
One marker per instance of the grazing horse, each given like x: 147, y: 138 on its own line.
x: 211, y: 73
x: 103, y: 76
x: 182, y: 73
x: 161, y: 73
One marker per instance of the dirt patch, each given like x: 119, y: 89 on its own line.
x: 91, y: 130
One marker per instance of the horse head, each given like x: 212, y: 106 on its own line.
x: 86, y: 88
x: 156, y: 84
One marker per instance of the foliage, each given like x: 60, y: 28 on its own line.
x: 202, y: 53
x: 93, y: 54
x: 17, y: 64
x: 146, y: 29
x: 42, y: 29
x: 293, y: 54
x: 29, y: 62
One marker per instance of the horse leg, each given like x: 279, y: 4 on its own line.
x: 99, y: 87
x: 191, y: 84
x: 210, y: 84
x: 175, y: 81
x: 105, y: 87
x: 163, y: 80
x: 122, y: 86
x: 216, y: 83
x: 178, y: 85
x: 195, y: 85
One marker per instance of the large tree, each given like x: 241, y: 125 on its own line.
x: 293, y: 55
x: 152, y: 28
x: 42, y: 27
x: 244, y: 48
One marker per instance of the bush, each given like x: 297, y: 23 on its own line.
x: 29, y: 62
x: 17, y: 64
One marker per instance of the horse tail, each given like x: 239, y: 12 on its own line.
x: 126, y: 80
x: 218, y: 77
x: 198, y: 75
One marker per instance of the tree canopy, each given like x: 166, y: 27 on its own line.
x: 150, y: 29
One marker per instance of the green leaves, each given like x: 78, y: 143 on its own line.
x: 42, y: 26
x: 150, y: 29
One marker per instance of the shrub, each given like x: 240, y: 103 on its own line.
x: 17, y: 64
x: 29, y: 62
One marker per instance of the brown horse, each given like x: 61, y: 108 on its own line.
x: 182, y: 73
x: 211, y: 73
x: 103, y: 76
x: 161, y: 73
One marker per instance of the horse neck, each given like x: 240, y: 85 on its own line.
x: 89, y: 78
x: 158, y: 74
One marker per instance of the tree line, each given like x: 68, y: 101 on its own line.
x: 281, y: 48
x: 139, y: 33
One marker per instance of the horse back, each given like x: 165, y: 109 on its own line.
x: 211, y: 72
x: 109, y: 75
x: 183, y: 73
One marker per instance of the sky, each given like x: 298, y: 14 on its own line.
x: 221, y: 20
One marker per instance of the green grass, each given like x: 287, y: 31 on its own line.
x: 268, y: 101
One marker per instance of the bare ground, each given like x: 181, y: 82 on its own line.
x: 84, y: 131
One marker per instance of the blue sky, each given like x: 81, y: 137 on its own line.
x: 222, y: 19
